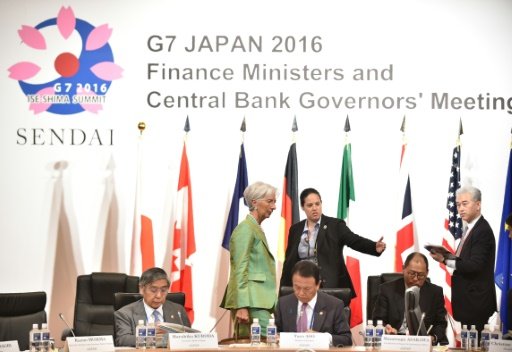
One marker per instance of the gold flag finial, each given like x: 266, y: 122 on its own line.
x: 141, y: 126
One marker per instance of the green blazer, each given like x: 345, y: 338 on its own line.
x: 252, y: 279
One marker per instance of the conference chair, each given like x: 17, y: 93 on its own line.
x: 18, y: 311
x: 94, y: 304
x: 341, y: 293
x: 372, y: 289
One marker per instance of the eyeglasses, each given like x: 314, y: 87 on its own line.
x: 412, y: 274
x: 154, y: 290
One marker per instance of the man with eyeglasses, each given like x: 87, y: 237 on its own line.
x: 309, y: 310
x: 152, y: 308
x: 390, y: 304
x: 473, y: 289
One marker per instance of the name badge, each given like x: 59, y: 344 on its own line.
x: 9, y: 346
x: 318, y: 340
x: 500, y: 346
x: 90, y: 344
x: 406, y: 343
x: 197, y: 340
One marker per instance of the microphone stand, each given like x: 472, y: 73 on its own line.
x: 61, y: 316
x: 181, y: 321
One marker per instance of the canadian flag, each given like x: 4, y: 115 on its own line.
x: 184, y: 245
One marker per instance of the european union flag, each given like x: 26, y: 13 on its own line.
x: 504, y: 260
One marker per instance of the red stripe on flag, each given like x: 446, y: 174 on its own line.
x: 146, y: 243
x: 404, y: 241
x: 286, y: 215
x: 356, y: 304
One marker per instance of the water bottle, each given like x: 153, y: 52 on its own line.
x: 369, y: 332
x: 255, y: 332
x: 45, y: 338
x: 379, y: 331
x: 140, y: 335
x: 485, y: 336
x: 473, y: 338
x: 271, y: 333
x: 496, y: 333
x: 464, y: 334
x: 34, y: 338
x: 151, y: 336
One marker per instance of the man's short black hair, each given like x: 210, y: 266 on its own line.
x: 307, y: 268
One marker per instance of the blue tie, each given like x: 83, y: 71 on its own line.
x: 157, y: 316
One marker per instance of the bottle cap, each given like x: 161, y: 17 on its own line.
x: 379, y: 322
x: 44, y: 326
x: 141, y: 322
x: 370, y: 322
x: 255, y: 320
x: 271, y: 321
x: 35, y: 326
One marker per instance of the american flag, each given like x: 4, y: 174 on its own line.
x: 453, y: 223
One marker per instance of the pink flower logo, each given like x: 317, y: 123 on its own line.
x: 82, y: 67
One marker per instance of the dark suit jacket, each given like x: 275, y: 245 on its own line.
x: 333, y: 235
x: 126, y: 320
x: 473, y: 290
x: 328, y: 317
x: 390, y: 307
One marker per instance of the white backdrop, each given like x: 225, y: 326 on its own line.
x: 461, y: 48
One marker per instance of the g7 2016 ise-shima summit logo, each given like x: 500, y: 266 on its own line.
x: 70, y: 65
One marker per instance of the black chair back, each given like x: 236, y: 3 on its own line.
x: 372, y: 289
x: 94, y: 305
x: 18, y: 311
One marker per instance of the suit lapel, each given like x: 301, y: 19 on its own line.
x: 319, y: 313
x: 399, y: 298
x: 469, y: 236
x: 139, y: 313
x: 322, y: 232
x: 260, y: 234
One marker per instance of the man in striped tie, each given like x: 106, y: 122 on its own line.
x: 473, y: 289
x: 309, y: 310
x: 152, y: 308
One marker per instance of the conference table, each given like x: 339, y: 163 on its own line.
x: 240, y: 348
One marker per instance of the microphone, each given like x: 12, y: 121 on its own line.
x: 61, y: 316
x: 218, y: 320
x: 421, y: 322
x: 181, y: 321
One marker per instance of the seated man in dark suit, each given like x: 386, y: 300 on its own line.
x: 152, y: 308
x: 309, y: 310
x: 390, y: 305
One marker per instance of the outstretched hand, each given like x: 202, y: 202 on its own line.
x: 380, y: 246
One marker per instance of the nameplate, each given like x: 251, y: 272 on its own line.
x: 500, y: 345
x: 90, y: 344
x: 406, y: 343
x: 194, y: 340
x: 305, y: 340
x: 9, y: 346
